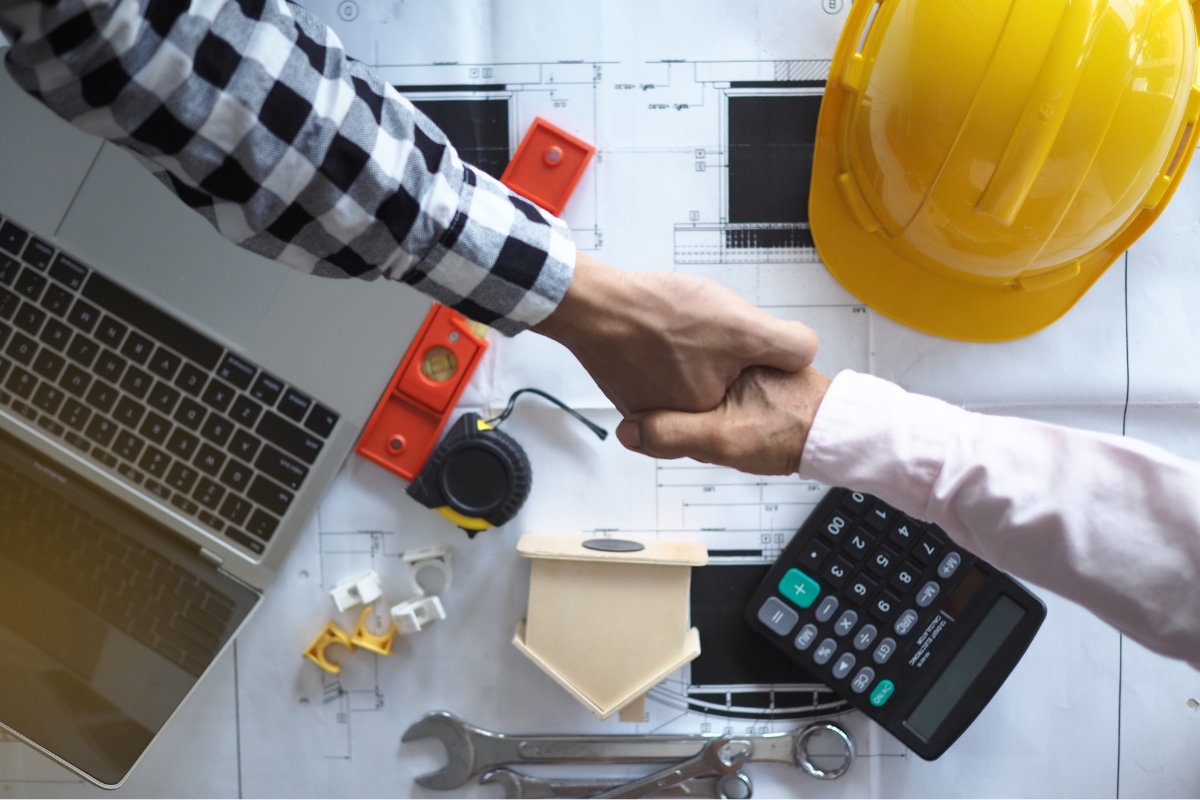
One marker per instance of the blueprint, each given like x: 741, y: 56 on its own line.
x: 678, y: 98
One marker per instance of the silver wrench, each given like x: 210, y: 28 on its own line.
x: 470, y: 750
x: 722, y: 756
x: 518, y: 785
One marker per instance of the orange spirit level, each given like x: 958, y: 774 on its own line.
x: 414, y: 409
x: 547, y: 165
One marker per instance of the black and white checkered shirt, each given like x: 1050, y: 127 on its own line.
x: 250, y: 111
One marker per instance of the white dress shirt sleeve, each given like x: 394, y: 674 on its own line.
x: 1109, y: 522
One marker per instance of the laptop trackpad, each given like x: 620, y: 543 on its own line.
x: 129, y: 225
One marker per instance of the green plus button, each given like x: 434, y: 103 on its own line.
x: 882, y: 692
x: 799, y: 588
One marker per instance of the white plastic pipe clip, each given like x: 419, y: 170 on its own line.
x: 413, y: 615
x: 437, y: 557
x: 364, y: 588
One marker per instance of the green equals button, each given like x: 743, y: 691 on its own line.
x: 799, y: 588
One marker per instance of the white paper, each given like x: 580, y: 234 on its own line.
x: 648, y: 83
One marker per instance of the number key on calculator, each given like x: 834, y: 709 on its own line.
x: 902, y: 623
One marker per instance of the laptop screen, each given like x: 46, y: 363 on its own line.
x: 107, y: 620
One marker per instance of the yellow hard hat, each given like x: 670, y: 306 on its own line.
x: 979, y: 163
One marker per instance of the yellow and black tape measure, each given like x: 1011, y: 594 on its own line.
x: 479, y: 477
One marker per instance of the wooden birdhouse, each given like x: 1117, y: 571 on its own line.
x: 608, y: 618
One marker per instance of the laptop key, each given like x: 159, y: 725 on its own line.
x: 217, y: 429
x: 9, y: 267
x: 183, y: 444
x: 183, y: 504
x: 49, y: 364
x: 267, y: 389
x: 136, y: 382
x: 190, y: 413
x: 209, y: 459
x: 78, y: 442
x: 102, y: 396
x: 245, y: 541
x: 129, y: 412
x: 235, y: 509
x: 8, y: 304
x: 208, y: 493
x: 182, y: 477
x: 56, y: 334
x: 110, y: 366
x: 163, y: 397
x: 6, y: 331
x: 12, y: 238
x: 212, y: 521
x: 30, y: 284
x: 158, y: 489
x: 137, y: 348
x: 21, y: 383
x: 238, y: 372
x: 49, y: 424
x: 191, y: 379
x: 75, y: 414
x: 165, y: 363
x: 129, y: 473
x: 29, y: 318
x: 83, y: 349
x: 236, y: 475
x: 128, y: 446
x: 29, y: 412
x: 269, y: 496
x: 69, y: 271
x: 218, y: 395
x: 262, y: 524
x: 155, y: 462
x: 75, y: 380
x: 57, y: 300
x: 83, y: 315
x: 105, y: 458
x: 21, y: 348
x: 244, y: 445
x: 282, y: 468
x: 321, y: 421
x: 294, y: 405
x: 101, y: 430
x: 38, y: 253
x: 4, y: 366
x: 48, y: 398
x: 289, y: 438
x: 111, y: 332
x: 155, y: 428
x: 244, y: 409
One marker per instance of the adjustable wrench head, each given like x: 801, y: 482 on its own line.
x: 460, y: 753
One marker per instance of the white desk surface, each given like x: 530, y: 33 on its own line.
x: 1086, y: 713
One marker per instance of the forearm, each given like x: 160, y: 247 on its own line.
x: 251, y: 112
x: 1109, y: 522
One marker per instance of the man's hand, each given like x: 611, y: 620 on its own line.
x: 760, y: 426
x: 668, y: 340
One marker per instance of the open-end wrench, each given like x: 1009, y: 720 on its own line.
x: 516, y: 784
x: 470, y: 750
x: 724, y: 756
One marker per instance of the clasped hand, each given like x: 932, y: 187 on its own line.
x: 695, y: 369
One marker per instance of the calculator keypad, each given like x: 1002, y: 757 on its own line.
x: 857, y: 584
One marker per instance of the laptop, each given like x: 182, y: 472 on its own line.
x: 172, y: 409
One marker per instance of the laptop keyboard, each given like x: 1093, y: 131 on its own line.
x: 132, y: 587
x: 198, y: 429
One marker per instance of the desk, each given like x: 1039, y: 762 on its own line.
x: 1085, y: 713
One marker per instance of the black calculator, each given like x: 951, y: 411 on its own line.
x: 905, y: 625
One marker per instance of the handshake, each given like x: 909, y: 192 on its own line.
x: 696, y: 371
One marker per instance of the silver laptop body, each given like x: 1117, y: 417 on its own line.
x: 172, y: 410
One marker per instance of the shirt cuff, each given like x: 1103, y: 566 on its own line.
x: 871, y: 435
x: 502, y: 260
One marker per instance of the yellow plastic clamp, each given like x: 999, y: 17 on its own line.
x: 332, y: 634
x: 369, y: 641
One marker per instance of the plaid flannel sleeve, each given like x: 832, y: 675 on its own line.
x: 251, y: 112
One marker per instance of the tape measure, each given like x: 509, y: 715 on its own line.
x: 479, y: 476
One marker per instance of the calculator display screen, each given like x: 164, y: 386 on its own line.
x: 965, y: 667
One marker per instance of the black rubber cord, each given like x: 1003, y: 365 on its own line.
x: 512, y: 403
